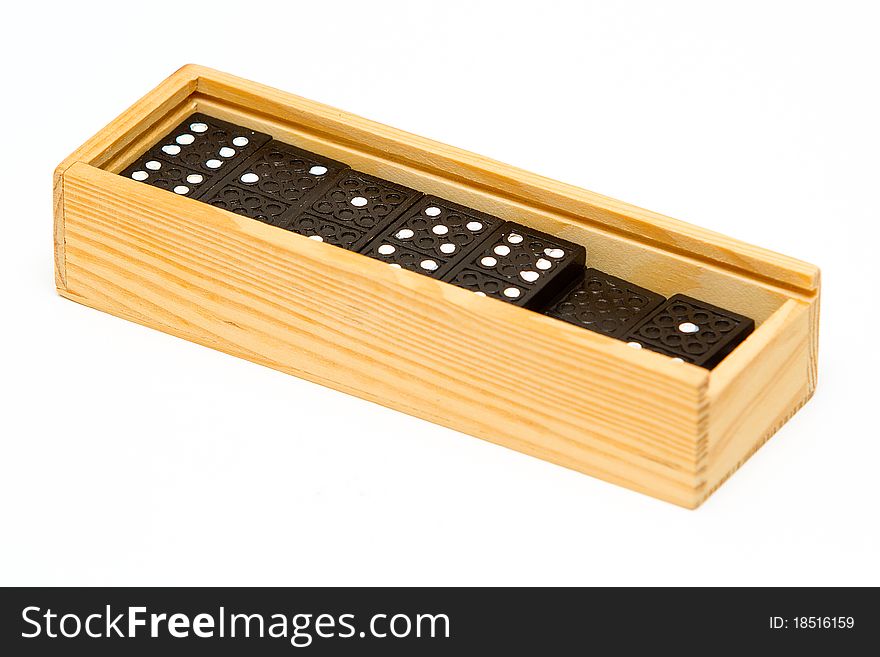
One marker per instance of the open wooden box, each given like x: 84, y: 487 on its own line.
x: 487, y: 368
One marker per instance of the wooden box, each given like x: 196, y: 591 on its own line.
x: 406, y: 341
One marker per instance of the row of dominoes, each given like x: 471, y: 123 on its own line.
x: 251, y: 174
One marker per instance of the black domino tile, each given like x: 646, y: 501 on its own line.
x: 249, y: 203
x: 519, y: 265
x: 322, y: 230
x: 167, y: 175
x: 285, y: 173
x: 432, y: 236
x: 691, y: 330
x: 355, y: 202
x: 201, y: 146
x: 488, y: 286
x: 273, y: 183
x: 603, y: 303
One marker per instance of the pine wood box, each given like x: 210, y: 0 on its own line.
x: 511, y: 376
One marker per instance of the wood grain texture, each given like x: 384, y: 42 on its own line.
x: 753, y: 396
x: 406, y: 341
x: 137, y: 126
x: 496, y: 371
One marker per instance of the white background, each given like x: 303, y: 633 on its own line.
x: 131, y: 457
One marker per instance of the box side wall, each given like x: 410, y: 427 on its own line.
x: 515, y: 184
x: 629, y: 258
x: 137, y: 126
x: 408, y: 342
x: 747, y: 405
